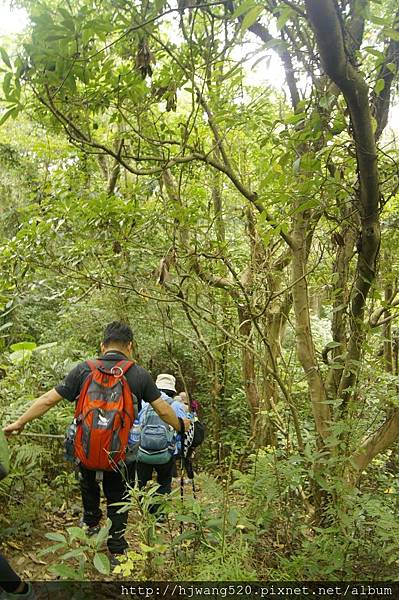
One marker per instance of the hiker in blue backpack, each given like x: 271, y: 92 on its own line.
x: 158, y: 440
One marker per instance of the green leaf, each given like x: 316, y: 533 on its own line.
x: 185, y: 519
x: 276, y: 43
x: 11, y: 112
x: 243, y: 8
x: 296, y: 118
x: 146, y: 548
x: 5, y: 57
x: 374, y: 52
x: 333, y: 344
x: 43, y: 347
x: 68, y: 19
x: 56, y: 37
x: 77, y: 533
x: 20, y: 356
x: 23, y: 346
x: 186, y: 535
x: 73, y: 554
x: 336, y: 366
x: 311, y: 203
x: 51, y: 549
x: 103, y: 534
x: 378, y: 20
x: 338, y: 125
x: 327, y: 100
x: 101, y: 562
x: 6, y: 325
x: 7, y: 84
x: 65, y: 572
x: 56, y: 537
x: 214, y: 523
x: 379, y: 86
x: 233, y: 516
x: 393, y: 34
x: 284, y: 15
x: 251, y: 17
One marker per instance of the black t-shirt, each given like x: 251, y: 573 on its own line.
x: 139, y: 380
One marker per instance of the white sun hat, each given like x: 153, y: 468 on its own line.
x: 166, y: 382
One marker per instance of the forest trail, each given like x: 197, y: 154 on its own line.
x: 24, y: 552
x: 224, y: 180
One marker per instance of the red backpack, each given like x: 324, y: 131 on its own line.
x: 104, y: 416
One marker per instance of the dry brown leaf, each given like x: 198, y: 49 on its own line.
x: 14, y: 545
x: 36, y: 560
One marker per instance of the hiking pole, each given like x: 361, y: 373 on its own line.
x: 190, y: 471
x: 44, y: 435
x: 181, y: 483
x: 182, y: 433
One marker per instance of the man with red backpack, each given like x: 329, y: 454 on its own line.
x: 108, y: 393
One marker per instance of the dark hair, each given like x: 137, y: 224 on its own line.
x: 117, y: 332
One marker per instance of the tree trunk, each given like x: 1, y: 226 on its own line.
x: 387, y: 332
x: 305, y: 345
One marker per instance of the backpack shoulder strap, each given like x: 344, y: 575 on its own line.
x: 145, y: 414
x: 119, y: 370
x: 124, y: 365
x: 93, y: 364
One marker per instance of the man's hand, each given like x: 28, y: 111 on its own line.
x: 38, y: 408
x: 15, y: 427
x: 187, y: 424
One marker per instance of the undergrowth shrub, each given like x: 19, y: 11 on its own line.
x: 203, y: 538
x: 272, y: 486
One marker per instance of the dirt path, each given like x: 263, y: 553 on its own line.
x: 24, y: 552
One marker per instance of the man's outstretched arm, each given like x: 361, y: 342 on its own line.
x: 40, y: 406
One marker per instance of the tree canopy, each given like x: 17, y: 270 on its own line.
x: 247, y: 234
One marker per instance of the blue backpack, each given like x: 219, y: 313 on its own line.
x: 157, y: 438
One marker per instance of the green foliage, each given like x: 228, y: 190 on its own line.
x: 80, y: 549
x: 149, y: 560
x: 146, y: 177
x: 214, y: 540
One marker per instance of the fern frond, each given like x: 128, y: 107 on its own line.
x: 29, y: 454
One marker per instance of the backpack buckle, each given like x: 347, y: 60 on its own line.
x: 117, y: 371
